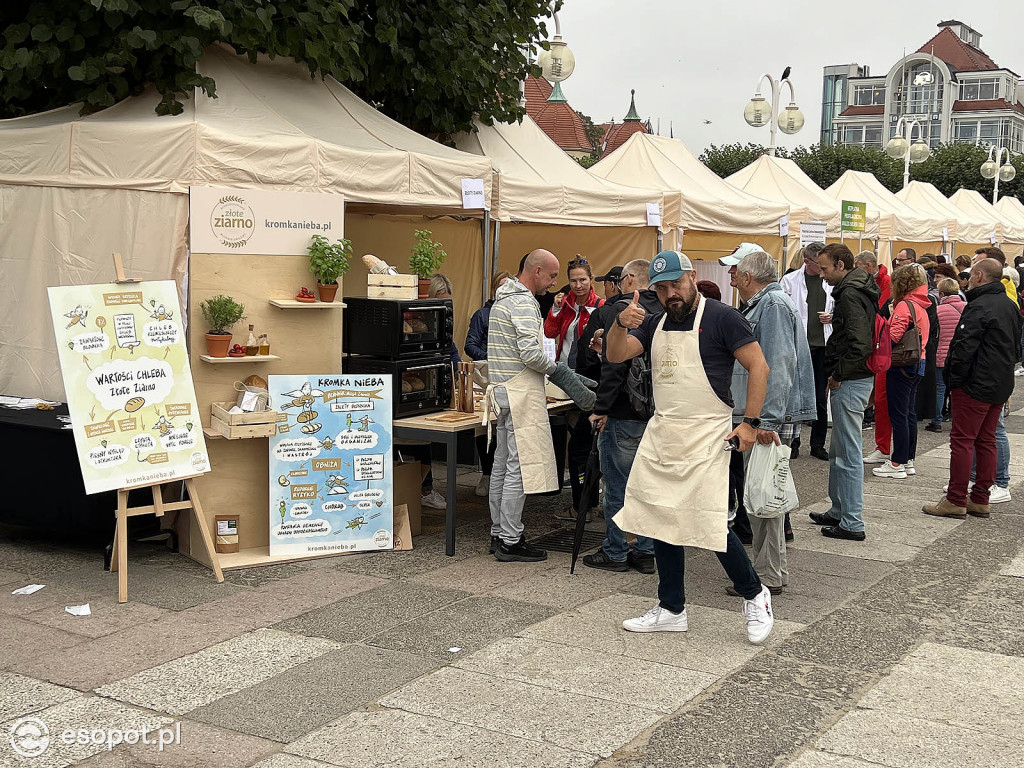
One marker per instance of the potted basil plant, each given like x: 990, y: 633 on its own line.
x: 426, y: 259
x: 328, y: 262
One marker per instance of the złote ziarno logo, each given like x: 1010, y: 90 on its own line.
x: 232, y: 221
x: 30, y: 737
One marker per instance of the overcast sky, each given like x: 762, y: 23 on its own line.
x: 696, y: 61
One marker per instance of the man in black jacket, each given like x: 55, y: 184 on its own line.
x: 850, y: 380
x: 621, y: 428
x: 979, y: 374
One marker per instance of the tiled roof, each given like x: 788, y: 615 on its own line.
x: 617, y: 135
x: 958, y: 54
x: 987, y: 104
x: 563, y: 126
x: 872, y: 109
x: 537, y: 91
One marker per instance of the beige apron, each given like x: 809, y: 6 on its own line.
x: 527, y: 403
x: 678, y: 486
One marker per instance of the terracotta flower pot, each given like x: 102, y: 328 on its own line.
x: 327, y: 292
x: 217, y: 344
x: 424, y: 288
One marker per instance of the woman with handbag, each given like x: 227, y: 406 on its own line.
x: 909, y: 329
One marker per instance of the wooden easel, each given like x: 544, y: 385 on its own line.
x: 119, y: 557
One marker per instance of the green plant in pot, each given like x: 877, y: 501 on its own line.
x: 221, y: 312
x: 328, y: 261
x: 427, y: 257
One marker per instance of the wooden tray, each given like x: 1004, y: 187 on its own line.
x: 220, y: 411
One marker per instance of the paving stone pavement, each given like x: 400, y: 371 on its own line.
x: 906, y: 650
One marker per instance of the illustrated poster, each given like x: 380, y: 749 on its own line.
x: 128, y: 383
x: 331, y: 481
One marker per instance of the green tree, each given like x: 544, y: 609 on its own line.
x: 958, y: 166
x: 595, y: 133
x: 825, y: 164
x: 587, y: 161
x: 725, y: 160
x: 430, y: 65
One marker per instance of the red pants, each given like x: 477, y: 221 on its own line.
x: 883, y: 427
x: 972, y: 434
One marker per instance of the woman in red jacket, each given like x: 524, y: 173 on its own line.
x: 910, y: 304
x: 569, y: 316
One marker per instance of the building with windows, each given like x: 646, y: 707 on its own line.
x: 949, y: 85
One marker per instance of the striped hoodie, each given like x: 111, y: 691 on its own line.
x: 514, y: 334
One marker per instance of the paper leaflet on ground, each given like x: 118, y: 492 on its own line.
x: 331, y: 478
x: 128, y: 383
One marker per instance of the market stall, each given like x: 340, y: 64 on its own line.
x: 781, y: 180
x: 1001, y: 231
x: 547, y: 200
x: 900, y: 225
x: 962, y: 230
x: 1011, y: 210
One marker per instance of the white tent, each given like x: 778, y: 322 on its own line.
x: 1012, y: 212
x: 927, y: 198
x: 713, y: 216
x: 74, y: 189
x: 899, y: 224
x: 783, y: 181
x: 1002, y: 230
x: 544, y: 198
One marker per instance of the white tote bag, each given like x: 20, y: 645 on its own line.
x: 768, y: 489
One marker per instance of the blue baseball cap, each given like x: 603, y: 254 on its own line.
x: 669, y: 265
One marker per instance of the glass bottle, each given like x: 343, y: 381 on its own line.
x: 264, y: 344
x: 252, y: 346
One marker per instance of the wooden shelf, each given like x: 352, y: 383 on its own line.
x: 296, y: 304
x: 247, y: 359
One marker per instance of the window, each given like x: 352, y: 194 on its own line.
x: 868, y: 95
x: 1006, y: 132
x: 982, y: 89
x: 861, y: 134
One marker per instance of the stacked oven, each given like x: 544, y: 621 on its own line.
x: 411, y: 339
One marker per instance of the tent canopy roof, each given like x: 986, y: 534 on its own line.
x: 538, y: 182
x: 707, y: 203
x: 270, y: 125
x: 973, y: 204
x: 1012, y: 212
x: 926, y: 197
x: 782, y: 180
x: 897, y: 220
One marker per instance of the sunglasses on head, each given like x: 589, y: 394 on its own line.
x: 577, y: 263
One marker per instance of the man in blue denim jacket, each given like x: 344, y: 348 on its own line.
x: 790, y: 399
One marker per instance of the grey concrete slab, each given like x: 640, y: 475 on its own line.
x: 281, y: 760
x: 588, y: 673
x: 172, y: 590
x: 997, y: 601
x: 814, y: 758
x: 896, y: 740
x: 1004, y: 639
x: 482, y: 573
x: 527, y: 711
x: 371, y: 612
x: 804, y: 677
x: 265, y: 574
x: 812, y: 562
x: 24, y: 642
x: 881, y: 544
x: 969, y: 689
x: 560, y: 590
x: 53, y: 595
x: 716, y: 642
x: 396, y: 739
x: 855, y: 638
x: 469, y: 625
x: 1014, y: 568
x: 733, y: 726
x: 20, y: 695
x: 15, y: 578
x: 83, y: 713
x: 107, y: 616
x: 303, y: 698
x: 199, y: 678
x: 202, y: 746
x: 918, y: 592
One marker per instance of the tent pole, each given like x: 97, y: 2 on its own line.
x: 496, y: 254
x: 661, y: 240
x: 486, y: 228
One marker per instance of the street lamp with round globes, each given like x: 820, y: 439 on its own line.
x: 1007, y: 173
x: 919, y: 151
x: 900, y: 148
x: 991, y: 169
x: 897, y: 147
x: 557, y: 63
x: 759, y: 112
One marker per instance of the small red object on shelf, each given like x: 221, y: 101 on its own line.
x: 306, y: 296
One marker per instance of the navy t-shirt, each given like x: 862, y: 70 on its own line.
x: 723, y: 330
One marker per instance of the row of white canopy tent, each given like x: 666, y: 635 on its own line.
x: 76, y: 188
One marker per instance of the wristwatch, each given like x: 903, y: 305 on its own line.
x: 752, y: 421
x: 619, y: 323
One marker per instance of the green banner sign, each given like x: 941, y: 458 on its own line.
x: 854, y: 216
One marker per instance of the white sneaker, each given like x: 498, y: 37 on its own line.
x: 969, y: 487
x: 759, y: 616
x: 1019, y: 372
x: 888, y: 470
x: 876, y: 457
x: 909, y: 467
x: 434, y: 500
x: 484, y: 486
x: 998, y: 495
x: 657, y: 620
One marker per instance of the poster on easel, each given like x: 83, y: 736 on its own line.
x: 128, y: 383
x: 331, y: 483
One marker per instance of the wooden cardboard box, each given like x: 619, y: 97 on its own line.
x: 408, y: 484
x: 392, y: 286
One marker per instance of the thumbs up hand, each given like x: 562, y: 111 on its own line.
x: 632, y: 315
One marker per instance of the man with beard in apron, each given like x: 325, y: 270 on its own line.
x: 678, y: 486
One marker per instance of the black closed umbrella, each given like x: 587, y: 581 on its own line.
x: 588, y: 495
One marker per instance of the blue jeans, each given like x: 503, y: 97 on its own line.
x: 1002, y: 456
x: 618, y: 442
x: 940, y: 396
x: 845, y: 458
x: 671, y: 560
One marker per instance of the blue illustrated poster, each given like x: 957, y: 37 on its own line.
x: 331, y: 481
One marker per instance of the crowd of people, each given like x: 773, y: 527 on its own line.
x: 677, y: 386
